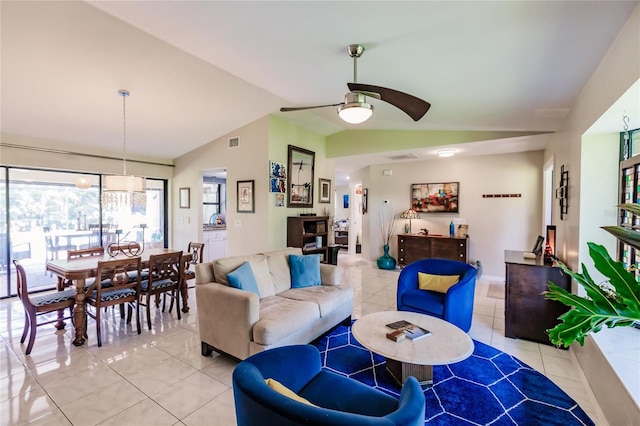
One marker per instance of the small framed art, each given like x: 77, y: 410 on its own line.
x: 324, y: 195
x: 185, y: 198
x: 245, y: 197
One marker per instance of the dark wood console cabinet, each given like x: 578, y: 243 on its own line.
x: 527, y: 313
x: 416, y: 247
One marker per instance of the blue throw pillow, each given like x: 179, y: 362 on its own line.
x: 305, y: 270
x: 242, y: 278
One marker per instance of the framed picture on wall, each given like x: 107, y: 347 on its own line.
x: 185, y: 198
x: 324, y: 194
x: 435, y: 197
x: 300, y: 177
x: 245, y: 197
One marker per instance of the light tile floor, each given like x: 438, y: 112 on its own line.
x: 160, y: 377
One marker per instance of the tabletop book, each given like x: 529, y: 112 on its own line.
x: 404, y: 329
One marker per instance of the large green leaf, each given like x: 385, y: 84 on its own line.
x: 614, y: 306
x: 626, y: 235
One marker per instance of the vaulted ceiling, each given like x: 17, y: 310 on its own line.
x: 200, y: 69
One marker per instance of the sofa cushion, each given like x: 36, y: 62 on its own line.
x: 439, y: 283
x: 281, y: 317
x: 263, y: 276
x: 305, y: 270
x: 222, y: 267
x: 328, y: 298
x: 278, y: 261
x: 244, y: 279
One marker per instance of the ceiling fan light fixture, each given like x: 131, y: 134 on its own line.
x: 355, y: 110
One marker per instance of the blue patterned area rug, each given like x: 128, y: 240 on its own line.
x: 488, y: 388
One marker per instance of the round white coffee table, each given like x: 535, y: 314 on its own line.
x: 446, y: 344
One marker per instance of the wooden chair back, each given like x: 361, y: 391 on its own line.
x: 76, y: 254
x: 116, y: 275
x: 196, y: 250
x: 165, y: 266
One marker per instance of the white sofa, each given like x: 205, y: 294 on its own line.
x: 240, y: 323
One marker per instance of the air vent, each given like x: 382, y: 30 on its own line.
x: 403, y: 157
x: 234, y: 142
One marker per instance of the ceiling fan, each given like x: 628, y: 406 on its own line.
x: 355, y: 108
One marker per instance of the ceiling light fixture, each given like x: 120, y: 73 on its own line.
x: 446, y: 153
x: 355, y: 110
x: 82, y: 182
x: 122, y: 191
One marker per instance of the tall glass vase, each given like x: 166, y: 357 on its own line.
x: 385, y: 261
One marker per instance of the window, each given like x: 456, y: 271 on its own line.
x: 50, y: 212
x: 213, y: 199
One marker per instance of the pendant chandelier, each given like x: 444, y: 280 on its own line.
x: 120, y: 192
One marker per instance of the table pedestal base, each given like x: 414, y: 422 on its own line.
x: 401, y: 370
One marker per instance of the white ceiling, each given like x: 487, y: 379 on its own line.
x: 200, y: 69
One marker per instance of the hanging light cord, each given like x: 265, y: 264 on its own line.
x: 124, y: 94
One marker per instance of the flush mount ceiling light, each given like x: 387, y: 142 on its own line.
x: 355, y: 110
x: 124, y: 191
x: 82, y: 182
x: 446, y: 153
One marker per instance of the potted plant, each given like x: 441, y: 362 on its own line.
x: 614, y: 303
x: 387, y: 229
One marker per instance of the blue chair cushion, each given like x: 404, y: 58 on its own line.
x: 114, y: 294
x: 305, y: 270
x: 50, y: 299
x: 425, y: 301
x: 144, y: 285
x: 353, y: 397
x: 242, y: 278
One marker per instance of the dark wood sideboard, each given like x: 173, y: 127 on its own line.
x: 415, y: 247
x: 528, y: 314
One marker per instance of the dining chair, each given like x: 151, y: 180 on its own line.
x: 185, y: 263
x: 117, y: 286
x: 196, y: 250
x: 35, y: 306
x: 165, y: 275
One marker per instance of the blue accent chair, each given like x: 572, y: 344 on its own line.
x: 454, y: 306
x: 339, y: 400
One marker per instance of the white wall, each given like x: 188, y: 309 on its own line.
x: 495, y: 224
x: 618, y: 70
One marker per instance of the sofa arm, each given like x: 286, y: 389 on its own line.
x: 330, y: 274
x: 226, y: 317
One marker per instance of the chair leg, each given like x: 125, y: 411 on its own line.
x: 164, y: 301
x: 172, y: 300
x: 98, y: 327
x: 138, y: 315
x: 32, y: 333
x: 177, y: 298
x: 121, y: 310
x: 149, y: 311
x: 129, y: 309
x: 27, y: 323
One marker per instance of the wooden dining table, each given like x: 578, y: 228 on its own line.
x: 79, y: 270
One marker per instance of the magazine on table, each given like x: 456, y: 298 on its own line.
x: 404, y: 329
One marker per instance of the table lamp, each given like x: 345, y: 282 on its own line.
x: 409, y: 214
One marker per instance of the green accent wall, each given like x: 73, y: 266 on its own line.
x: 355, y: 142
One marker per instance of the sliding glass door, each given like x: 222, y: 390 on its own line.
x: 51, y: 212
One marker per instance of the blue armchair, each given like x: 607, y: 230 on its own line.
x: 454, y: 306
x: 338, y: 400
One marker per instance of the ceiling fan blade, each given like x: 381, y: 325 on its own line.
x: 288, y: 109
x: 414, y: 107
